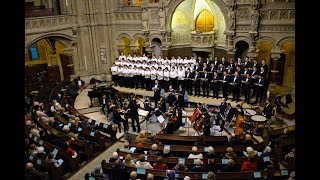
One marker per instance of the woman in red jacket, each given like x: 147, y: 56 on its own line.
x: 159, y: 164
x: 249, y: 165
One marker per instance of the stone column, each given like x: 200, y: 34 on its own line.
x: 274, y: 74
x: 274, y: 69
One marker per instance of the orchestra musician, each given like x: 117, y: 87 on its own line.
x: 239, y: 121
x: 134, y: 115
x: 227, y: 115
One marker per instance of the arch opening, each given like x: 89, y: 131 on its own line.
x: 242, y: 48
x: 156, y: 47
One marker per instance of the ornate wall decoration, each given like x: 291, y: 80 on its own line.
x: 264, y: 15
x: 277, y: 28
x: 243, y: 14
x: 154, y: 14
x: 274, y: 14
x: 128, y: 16
x: 292, y: 15
x: 284, y: 14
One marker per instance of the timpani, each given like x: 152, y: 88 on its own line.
x: 258, y: 122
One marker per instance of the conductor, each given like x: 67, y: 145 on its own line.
x: 156, y: 89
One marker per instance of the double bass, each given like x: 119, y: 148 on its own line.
x: 239, y: 121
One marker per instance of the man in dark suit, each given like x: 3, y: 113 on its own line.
x: 246, y: 88
x: 133, y: 113
x: 260, y: 89
x: 196, y: 82
x: 103, y: 102
x: 215, y: 84
x: 205, y: 83
x: 264, y: 65
x: 236, y: 87
x: 225, y: 84
x: 188, y: 81
x: 216, y: 62
x: 267, y: 110
x: 156, y: 89
x: 256, y: 64
x: 224, y: 62
x: 263, y: 72
x: 223, y: 106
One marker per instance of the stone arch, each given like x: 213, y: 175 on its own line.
x: 173, y: 4
x: 121, y: 36
x: 152, y: 36
x: 241, y: 38
x: 136, y: 36
x: 284, y: 40
x: 266, y: 38
x: 63, y: 38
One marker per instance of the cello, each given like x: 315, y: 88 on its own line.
x: 195, y: 115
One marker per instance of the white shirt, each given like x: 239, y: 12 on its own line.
x: 181, y: 74
x: 160, y: 75
x: 122, y: 56
x: 198, y: 156
x: 166, y: 75
x: 79, y: 83
x: 173, y: 74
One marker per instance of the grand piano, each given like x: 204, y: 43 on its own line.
x: 99, y: 91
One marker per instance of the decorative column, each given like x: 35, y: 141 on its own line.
x: 274, y: 73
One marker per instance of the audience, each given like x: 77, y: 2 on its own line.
x: 159, y: 164
x: 266, y: 152
x: 113, y: 157
x: 249, y: 165
x: 118, y: 170
x: 128, y: 161
x: 212, y: 166
x: 142, y: 137
x: 211, y: 153
x: 181, y: 167
x: 133, y: 175
x: 150, y: 176
x: 232, y: 140
x: 142, y: 163
x: 126, y: 147
x: 170, y: 175
x: 247, y: 141
x: 230, y: 167
x: 31, y: 171
x: 230, y: 153
x: 97, y: 174
x: 211, y: 175
x: 195, y: 154
x: 186, y: 178
x: 200, y: 141
x: 166, y: 152
x: 154, y: 150
x: 139, y: 148
x: 197, y: 167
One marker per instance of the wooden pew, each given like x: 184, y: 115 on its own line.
x: 201, y: 149
x: 103, y: 140
x: 83, y: 145
x: 189, y: 140
x: 107, y: 168
x: 55, y: 173
x: 72, y: 163
x: 107, y: 128
x: 174, y: 160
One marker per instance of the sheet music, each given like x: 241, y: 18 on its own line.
x: 160, y: 119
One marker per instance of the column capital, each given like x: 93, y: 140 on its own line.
x: 275, y: 55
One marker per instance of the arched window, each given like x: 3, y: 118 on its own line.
x: 204, y: 22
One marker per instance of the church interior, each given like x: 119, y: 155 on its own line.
x: 159, y: 89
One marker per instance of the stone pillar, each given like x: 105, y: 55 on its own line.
x: 274, y: 69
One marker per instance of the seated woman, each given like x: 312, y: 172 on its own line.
x: 160, y: 165
x: 195, y: 154
x: 230, y: 153
x: 249, y: 165
x: 139, y: 149
x: 197, y: 167
x: 142, y: 137
x: 142, y: 163
x: 181, y: 167
x: 153, y: 150
x: 128, y: 161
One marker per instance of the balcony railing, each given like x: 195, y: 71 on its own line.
x: 48, y: 23
x: 205, y: 39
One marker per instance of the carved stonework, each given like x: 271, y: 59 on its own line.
x: 292, y: 15
x: 264, y: 15
x: 277, y: 28
x: 243, y: 14
x: 154, y: 14
x: 128, y: 26
x: 27, y: 25
x: 284, y: 14
x: 274, y: 15
x: 242, y: 28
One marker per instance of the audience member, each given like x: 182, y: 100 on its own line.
x: 230, y: 167
x: 126, y: 147
x: 113, y: 157
x: 247, y: 141
x: 128, y: 161
x: 211, y: 175
x: 249, y: 165
x: 195, y: 154
x: 197, y: 167
x: 142, y: 163
x: 139, y: 148
x: 159, y: 164
x: 181, y: 167
x: 153, y: 150
x: 230, y: 153
x: 211, y: 153
x: 142, y: 137
x: 232, y: 140
x: 170, y: 175
x: 166, y: 152
x: 150, y: 176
